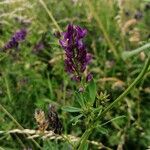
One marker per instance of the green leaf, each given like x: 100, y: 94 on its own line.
x: 116, y: 118
x: 97, y: 111
x: 80, y: 99
x: 50, y: 87
x: 76, y: 119
x: 102, y: 130
x: 84, y: 138
x: 71, y: 109
x: 86, y: 146
x: 92, y: 91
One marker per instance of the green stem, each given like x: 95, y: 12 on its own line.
x: 84, y: 138
x: 68, y: 140
x: 15, y: 121
x: 106, y: 36
x: 7, y: 88
x: 128, y: 54
x: 137, y: 80
x: 10, y: 116
x: 87, y: 133
x: 50, y: 15
x: 2, y: 148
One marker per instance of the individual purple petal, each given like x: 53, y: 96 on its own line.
x: 81, y: 55
x: 76, y: 78
x: 70, y: 31
x: 89, y: 77
x: 81, y: 32
x: 83, y: 67
x: 80, y: 44
x: 69, y: 53
x: 69, y: 66
x: 63, y: 43
x: 88, y: 58
x: 85, y: 61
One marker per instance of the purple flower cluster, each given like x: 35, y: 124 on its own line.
x: 77, y: 57
x: 15, y: 39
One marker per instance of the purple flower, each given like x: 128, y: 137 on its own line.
x: 89, y: 77
x: 77, y: 57
x: 20, y: 35
x: 76, y: 78
x: 11, y: 44
x: 15, y: 39
x: 81, y: 32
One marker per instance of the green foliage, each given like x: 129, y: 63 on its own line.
x: 32, y: 79
x: 91, y: 90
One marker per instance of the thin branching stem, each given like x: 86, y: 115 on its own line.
x: 135, y: 82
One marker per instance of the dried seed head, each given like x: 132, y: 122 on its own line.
x: 118, y: 86
x: 40, y: 119
x: 39, y: 116
x: 128, y: 24
x: 142, y: 56
x: 134, y: 35
x: 54, y: 121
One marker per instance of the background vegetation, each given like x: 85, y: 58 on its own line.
x: 32, y: 78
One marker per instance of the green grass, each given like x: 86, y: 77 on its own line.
x: 29, y: 81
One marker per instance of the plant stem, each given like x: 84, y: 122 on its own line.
x: 7, y: 88
x: 15, y: 121
x: 135, y: 82
x: 87, y: 133
x: 68, y: 140
x: 128, y: 54
x: 84, y: 138
x: 10, y: 116
x: 111, y: 46
x: 2, y: 148
x: 50, y: 15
